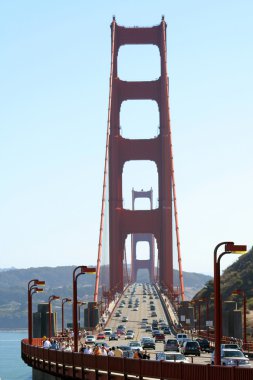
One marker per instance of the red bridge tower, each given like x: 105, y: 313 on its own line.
x: 156, y: 221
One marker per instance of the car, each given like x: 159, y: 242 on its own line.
x: 124, y: 319
x: 129, y: 335
x: 153, y: 314
x: 127, y: 351
x: 232, y: 357
x: 171, y: 345
x: 160, y: 337
x: 107, y: 330
x: 181, y: 338
x: 114, y: 336
x: 204, y: 344
x: 107, y: 334
x: 148, y: 342
x: 117, y: 314
x: 173, y: 356
x: 191, y: 348
x: 230, y: 345
x: 148, y: 329
x: 120, y: 332
x: 101, y: 336
x: 90, y: 339
x: 166, y: 331
x: 135, y: 345
x: 144, y: 320
x: 143, y: 325
x: 154, y: 332
x: 121, y: 327
x: 135, y: 308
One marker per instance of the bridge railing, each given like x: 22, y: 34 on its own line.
x: 75, y: 365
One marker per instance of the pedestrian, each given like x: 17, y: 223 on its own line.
x: 118, y: 353
x: 68, y: 348
x: 111, y: 351
x: 96, y: 351
x: 103, y: 351
x: 87, y: 350
x: 146, y: 355
x: 46, y: 343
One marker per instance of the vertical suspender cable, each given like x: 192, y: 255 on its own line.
x: 105, y: 170
x: 181, y: 279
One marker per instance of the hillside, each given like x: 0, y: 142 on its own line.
x: 13, y: 284
x: 239, y: 275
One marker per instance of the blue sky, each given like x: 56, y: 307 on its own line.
x: 54, y: 86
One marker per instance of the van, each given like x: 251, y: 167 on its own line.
x: 181, y: 338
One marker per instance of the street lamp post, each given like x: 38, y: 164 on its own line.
x: 242, y: 293
x: 230, y: 247
x: 78, y: 271
x: 64, y: 300
x: 50, y: 299
x: 31, y: 289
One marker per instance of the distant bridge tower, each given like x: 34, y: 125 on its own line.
x: 158, y: 221
x: 149, y: 263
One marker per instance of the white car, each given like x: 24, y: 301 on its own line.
x: 90, y: 339
x: 135, y: 345
x: 232, y: 357
x: 129, y: 335
x: 173, y: 356
x: 107, y: 330
x: 124, y: 319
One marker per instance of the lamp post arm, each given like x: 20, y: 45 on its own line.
x: 218, y: 246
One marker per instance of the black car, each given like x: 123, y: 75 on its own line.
x: 166, y: 330
x: 148, y: 343
x: 113, y: 336
x: 191, y: 348
x: 204, y: 345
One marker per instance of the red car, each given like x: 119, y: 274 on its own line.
x: 120, y: 332
x: 101, y: 336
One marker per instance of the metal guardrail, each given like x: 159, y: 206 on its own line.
x: 75, y: 365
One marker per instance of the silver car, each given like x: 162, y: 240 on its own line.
x: 232, y: 357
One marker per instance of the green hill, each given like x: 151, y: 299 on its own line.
x: 239, y: 275
x: 13, y: 285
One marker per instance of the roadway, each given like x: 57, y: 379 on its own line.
x: 142, y: 292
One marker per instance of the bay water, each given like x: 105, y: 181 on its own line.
x: 12, y: 366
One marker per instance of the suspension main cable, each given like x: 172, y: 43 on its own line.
x: 105, y: 168
x: 181, y: 279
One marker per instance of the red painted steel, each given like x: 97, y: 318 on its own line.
x: 78, y: 365
x: 159, y: 221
